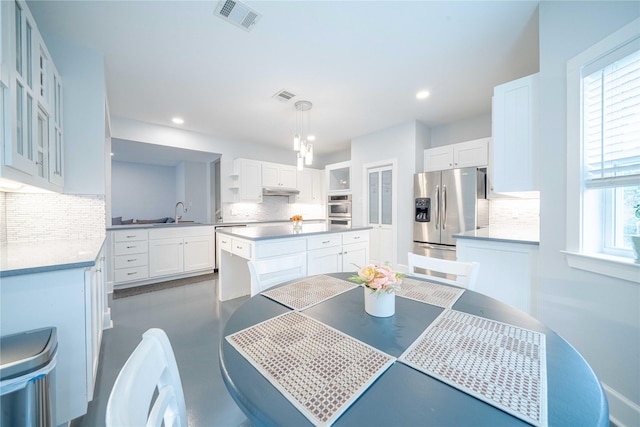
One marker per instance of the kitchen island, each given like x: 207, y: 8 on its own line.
x: 325, y: 251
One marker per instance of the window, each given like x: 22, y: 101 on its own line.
x: 603, y: 152
x: 611, y: 152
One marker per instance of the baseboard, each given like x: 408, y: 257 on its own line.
x: 622, y: 411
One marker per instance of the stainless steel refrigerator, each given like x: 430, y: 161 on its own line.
x: 447, y: 203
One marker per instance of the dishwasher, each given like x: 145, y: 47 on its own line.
x: 215, y: 241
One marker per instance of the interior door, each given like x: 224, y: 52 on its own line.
x: 380, y: 214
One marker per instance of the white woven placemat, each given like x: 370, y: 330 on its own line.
x: 320, y: 370
x: 309, y: 291
x: 431, y: 293
x: 500, y: 364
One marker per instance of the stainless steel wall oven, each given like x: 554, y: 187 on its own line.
x: 339, y: 211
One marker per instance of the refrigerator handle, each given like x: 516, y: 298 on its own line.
x: 444, y: 206
x: 437, y: 207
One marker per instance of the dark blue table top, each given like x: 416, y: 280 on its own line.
x: 403, y: 396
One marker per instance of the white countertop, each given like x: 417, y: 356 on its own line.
x: 280, y: 231
x: 48, y: 255
x: 508, y: 235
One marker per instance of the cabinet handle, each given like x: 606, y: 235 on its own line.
x: 356, y: 237
x: 131, y: 247
x: 238, y: 247
x: 131, y: 260
x: 131, y: 237
x: 131, y: 274
x: 326, y: 241
x: 98, y: 270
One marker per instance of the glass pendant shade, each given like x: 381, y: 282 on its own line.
x: 296, y: 142
x: 308, y: 156
x: 300, y: 164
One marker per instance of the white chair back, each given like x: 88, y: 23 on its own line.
x: 151, y: 366
x: 466, y: 273
x: 269, y: 272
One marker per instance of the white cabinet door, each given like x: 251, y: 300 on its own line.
x: 515, y: 134
x: 95, y: 307
x: 198, y: 253
x: 288, y: 176
x: 247, y: 180
x: 270, y: 175
x: 277, y: 175
x: 327, y: 260
x: 305, y: 186
x: 355, y: 256
x: 165, y: 257
x: 471, y: 153
x: 438, y: 158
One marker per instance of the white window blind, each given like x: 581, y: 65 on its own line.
x: 611, y: 120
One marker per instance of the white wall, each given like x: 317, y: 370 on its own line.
x: 598, y: 315
x: 196, y: 191
x: 464, y: 130
x: 83, y: 80
x: 142, y: 191
x: 406, y: 144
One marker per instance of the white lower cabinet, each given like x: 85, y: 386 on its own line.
x: 507, y: 270
x: 180, y: 250
x: 165, y: 257
x: 337, y: 252
x: 140, y: 256
x: 74, y: 302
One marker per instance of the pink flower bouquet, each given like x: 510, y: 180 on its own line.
x: 378, y: 278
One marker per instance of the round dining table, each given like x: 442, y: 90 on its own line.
x: 402, y: 395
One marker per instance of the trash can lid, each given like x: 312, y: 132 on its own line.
x: 26, y: 352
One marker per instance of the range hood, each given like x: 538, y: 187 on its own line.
x: 279, y: 191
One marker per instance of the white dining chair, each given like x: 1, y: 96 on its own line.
x: 152, y: 366
x: 269, y: 272
x: 466, y: 273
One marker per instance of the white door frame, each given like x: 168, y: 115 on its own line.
x: 393, y: 162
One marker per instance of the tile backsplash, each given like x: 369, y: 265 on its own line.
x: 273, y: 208
x: 51, y: 216
x: 514, y: 213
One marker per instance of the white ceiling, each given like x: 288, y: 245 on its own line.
x: 359, y: 62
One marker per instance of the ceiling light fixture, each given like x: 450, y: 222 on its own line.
x: 177, y: 120
x: 422, y: 94
x: 302, y: 137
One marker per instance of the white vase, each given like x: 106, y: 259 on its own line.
x: 635, y: 244
x: 379, y: 304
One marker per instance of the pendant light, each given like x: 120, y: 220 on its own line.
x: 302, y: 135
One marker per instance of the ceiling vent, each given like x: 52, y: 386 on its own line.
x: 283, y: 95
x: 238, y: 14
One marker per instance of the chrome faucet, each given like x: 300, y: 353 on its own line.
x: 184, y: 209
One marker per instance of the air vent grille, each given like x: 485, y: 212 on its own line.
x: 283, y: 95
x: 238, y: 14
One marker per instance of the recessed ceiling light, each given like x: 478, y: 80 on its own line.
x: 177, y: 120
x: 422, y: 94
x: 112, y: 154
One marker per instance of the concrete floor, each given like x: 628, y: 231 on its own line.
x: 193, y: 318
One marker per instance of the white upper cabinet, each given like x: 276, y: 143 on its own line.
x: 277, y: 175
x: 515, y: 136
x: 461, y: 155
x: 338, y: 177
x: 32, y: 92
x: 310, y: 183
x: 247, y: 180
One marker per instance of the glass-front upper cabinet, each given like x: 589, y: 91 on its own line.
x: 33, y: 145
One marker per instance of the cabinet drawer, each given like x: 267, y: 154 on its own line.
x: 126, y: 248
x: 132, y: 260
x: 324, y: 241
x: 131, y: 274
x: 225, y: 243
x: 355, y: 237
x: 130, y: 235
x: 241, y: 248
x: 280, y: 247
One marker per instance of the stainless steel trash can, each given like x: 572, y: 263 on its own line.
x: 27, y: 378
